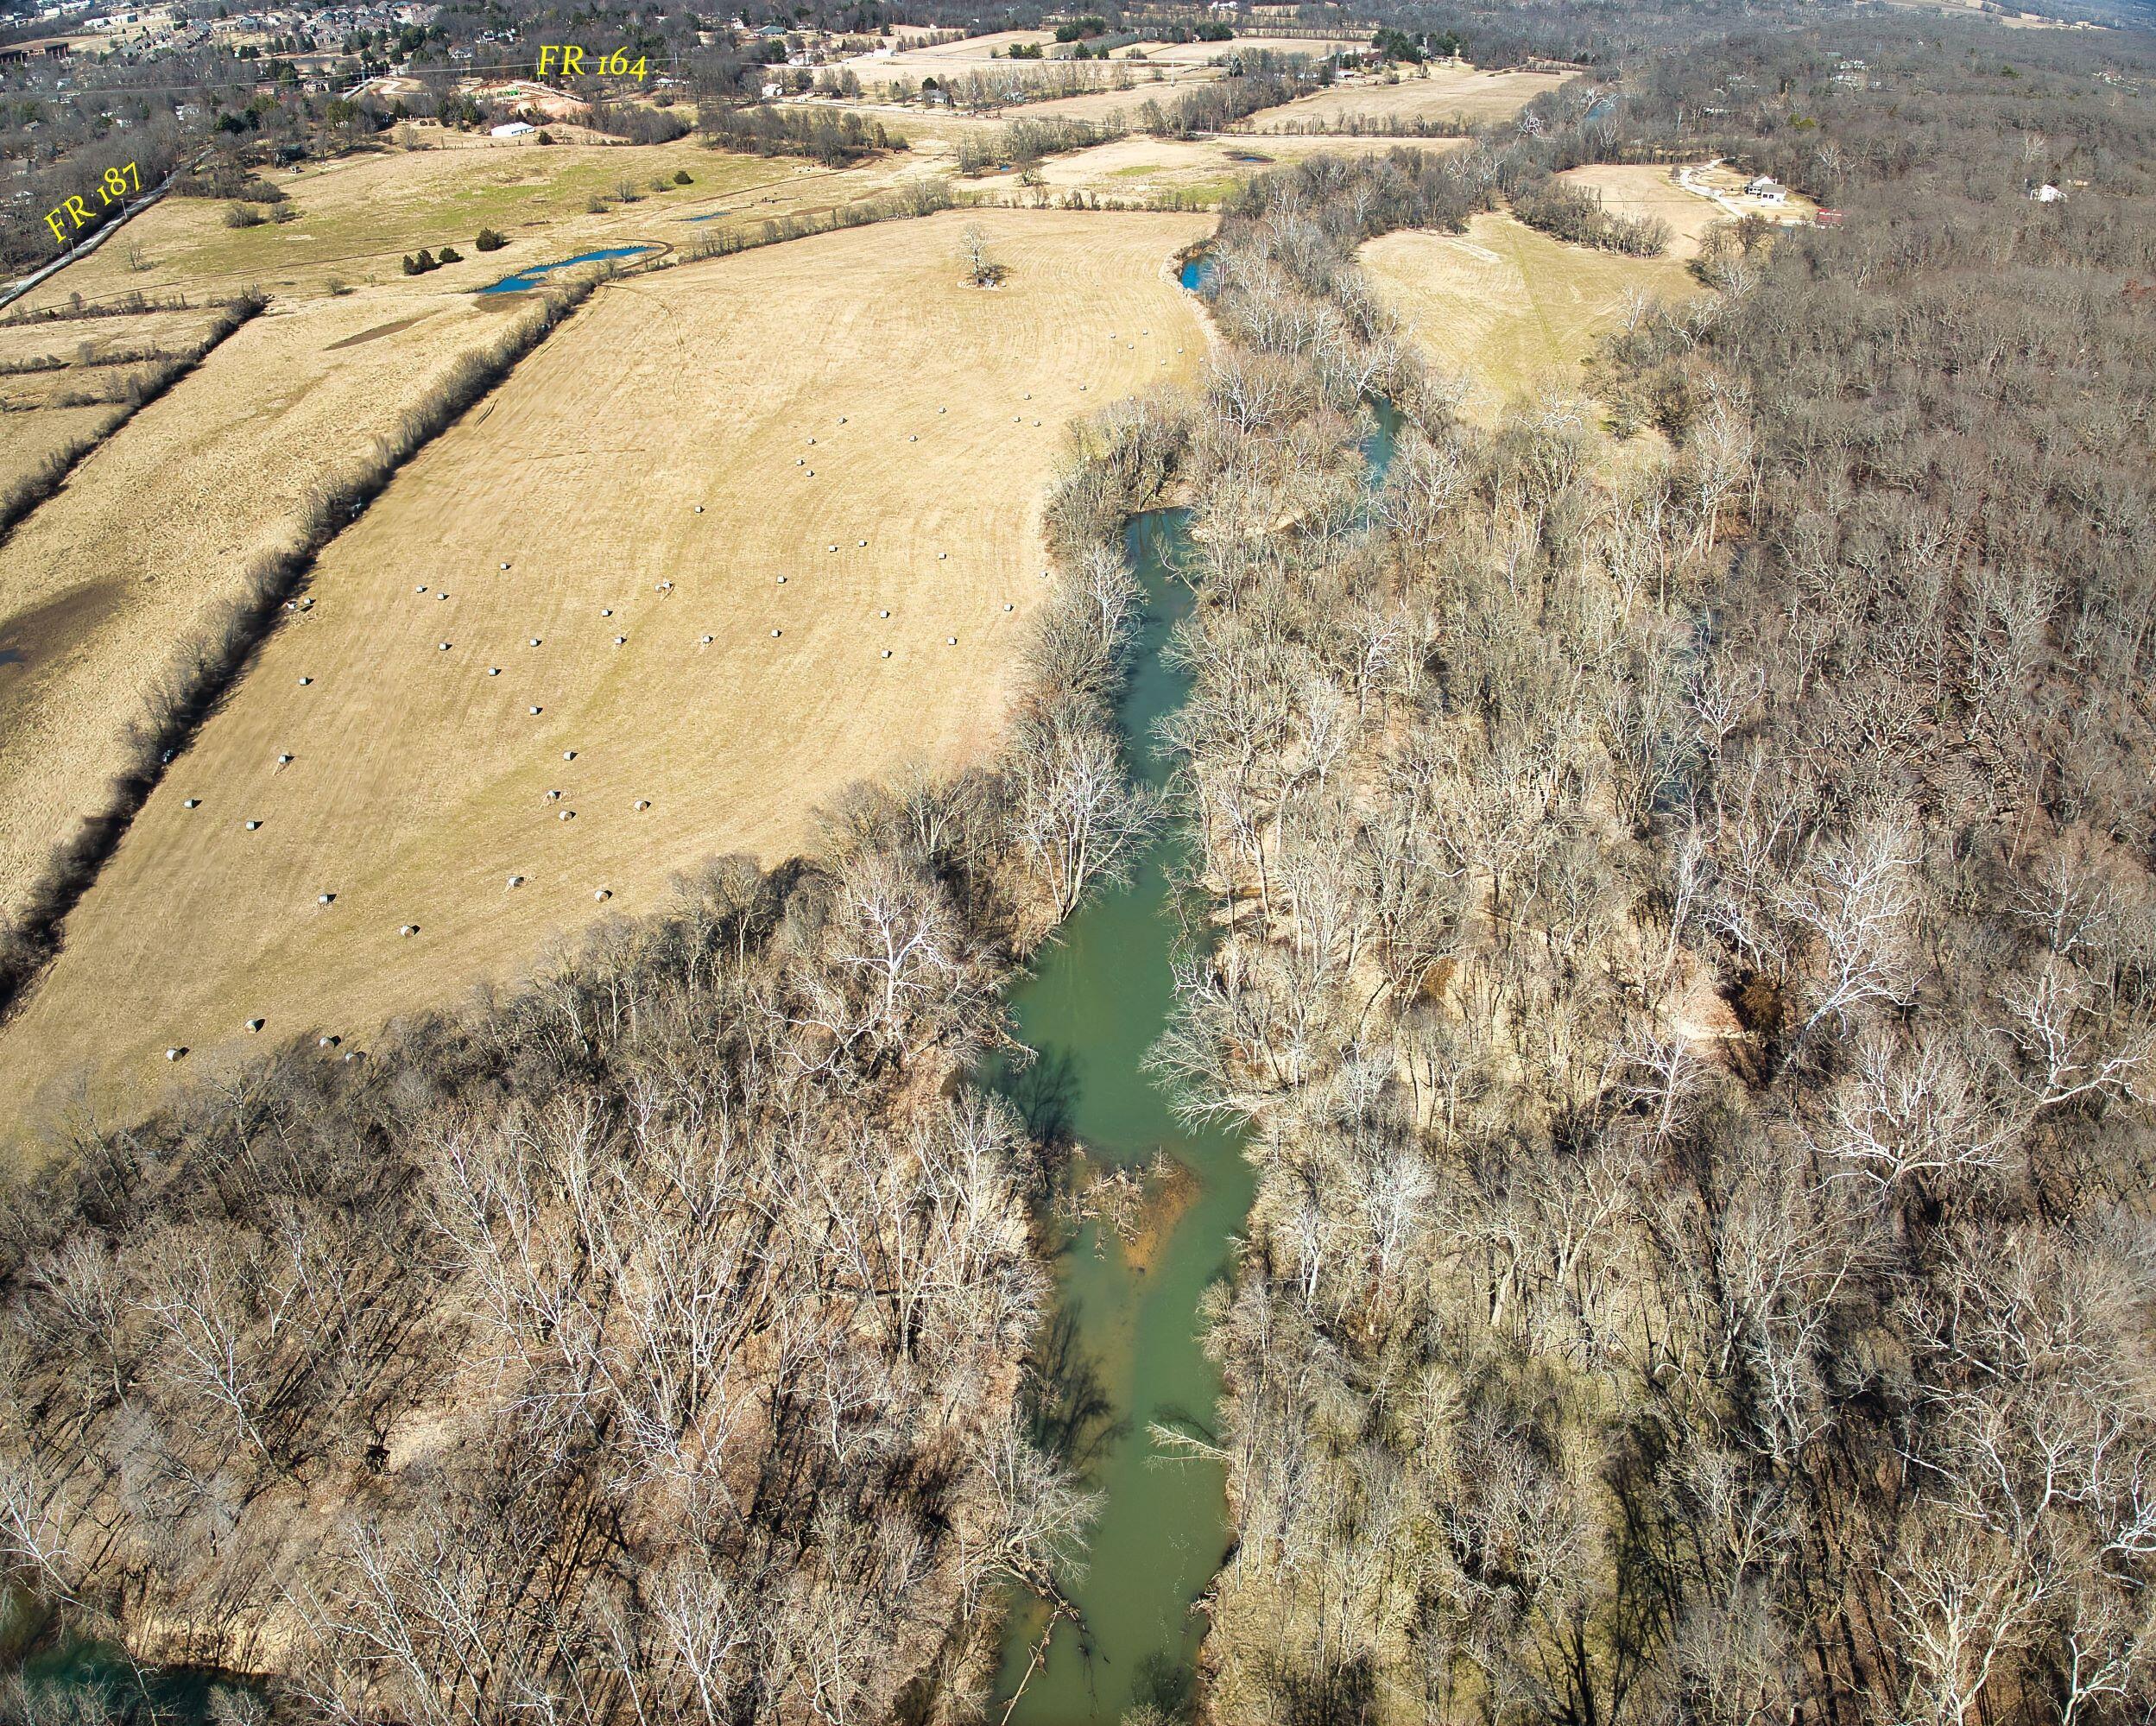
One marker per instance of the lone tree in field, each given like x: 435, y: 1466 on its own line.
x: 982, y: 270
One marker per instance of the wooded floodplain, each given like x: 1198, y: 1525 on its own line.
x: 1670, y: 908
x: 1682, y: 941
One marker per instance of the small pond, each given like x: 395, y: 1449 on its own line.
x: 526, y: 279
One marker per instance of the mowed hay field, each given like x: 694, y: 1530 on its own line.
x: 1506, y: 307
x: 150, y: 539
x: 1637, y: 192
x: 1448, y: 93
x: 1135, y: 168
x: 419, y: 783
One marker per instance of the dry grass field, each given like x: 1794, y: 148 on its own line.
x: 358, y: 216
x: 1209, y: 53
x: 46, y: 414
x: 1137, y: 167
x: 1506, y: 307
x: 1108, y: 106
x: 151, y: 535
x: 1637, y: 192
x: 1448, y: 93
x: 76, y: 339
x: 26, y: 440
x: 692, y: 464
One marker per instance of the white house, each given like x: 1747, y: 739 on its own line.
x: 514, y: 128
x: 1766, y: 190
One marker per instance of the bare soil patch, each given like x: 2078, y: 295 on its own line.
x: 377, y: 333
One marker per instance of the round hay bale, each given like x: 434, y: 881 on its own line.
x: 284, y: 761
x: 566, y: 815
x: 643, y: 803
x: 861, y: 543
x: 602, y: 896
x: 700, y: 509
x: 887, y: 653
x: 327, y: 1042
x: 534, y: 713
x: 942, y: 556
x: 517, y: 881
x: 782, y: 581
x: 174, y: 1055
x: 951, y: 641
x: 704, y: 640
x: 408, y: 929
x: 911, y: 439
x: 620, y: 640
x: 305, y: 681
x: 832, y: 547
x: 421, y: 588
x: 442, y: 647
x: 494, y: 671
x: 254, y: 1024
x: 884, y: 613
x: 812, y: 441
x: 533, y: 641
x: 504, y: 566
x: 568, y: 755
x: 1008, y: 607
x: 192, y: 803
x: 774, y: 635
x: 252, y: 825
x: 325, y: 898
x: 606, y: 610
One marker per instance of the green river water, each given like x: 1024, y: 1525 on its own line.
x: 1125, y: 1340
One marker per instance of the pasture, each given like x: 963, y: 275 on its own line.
x: 1637, y: 192
x: 1434, y: 95
x: 634, y: 578
x: 151, y: 537
x: 358, y: 217
x: 1510, y: 309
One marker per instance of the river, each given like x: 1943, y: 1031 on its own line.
x: 1126, y: 1338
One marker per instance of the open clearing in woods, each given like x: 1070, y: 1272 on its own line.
x: 1506, y: 307
x: 1448, y: 93
x: 150, y: 539
x: 418, y: 784
x: 1643, y: 191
